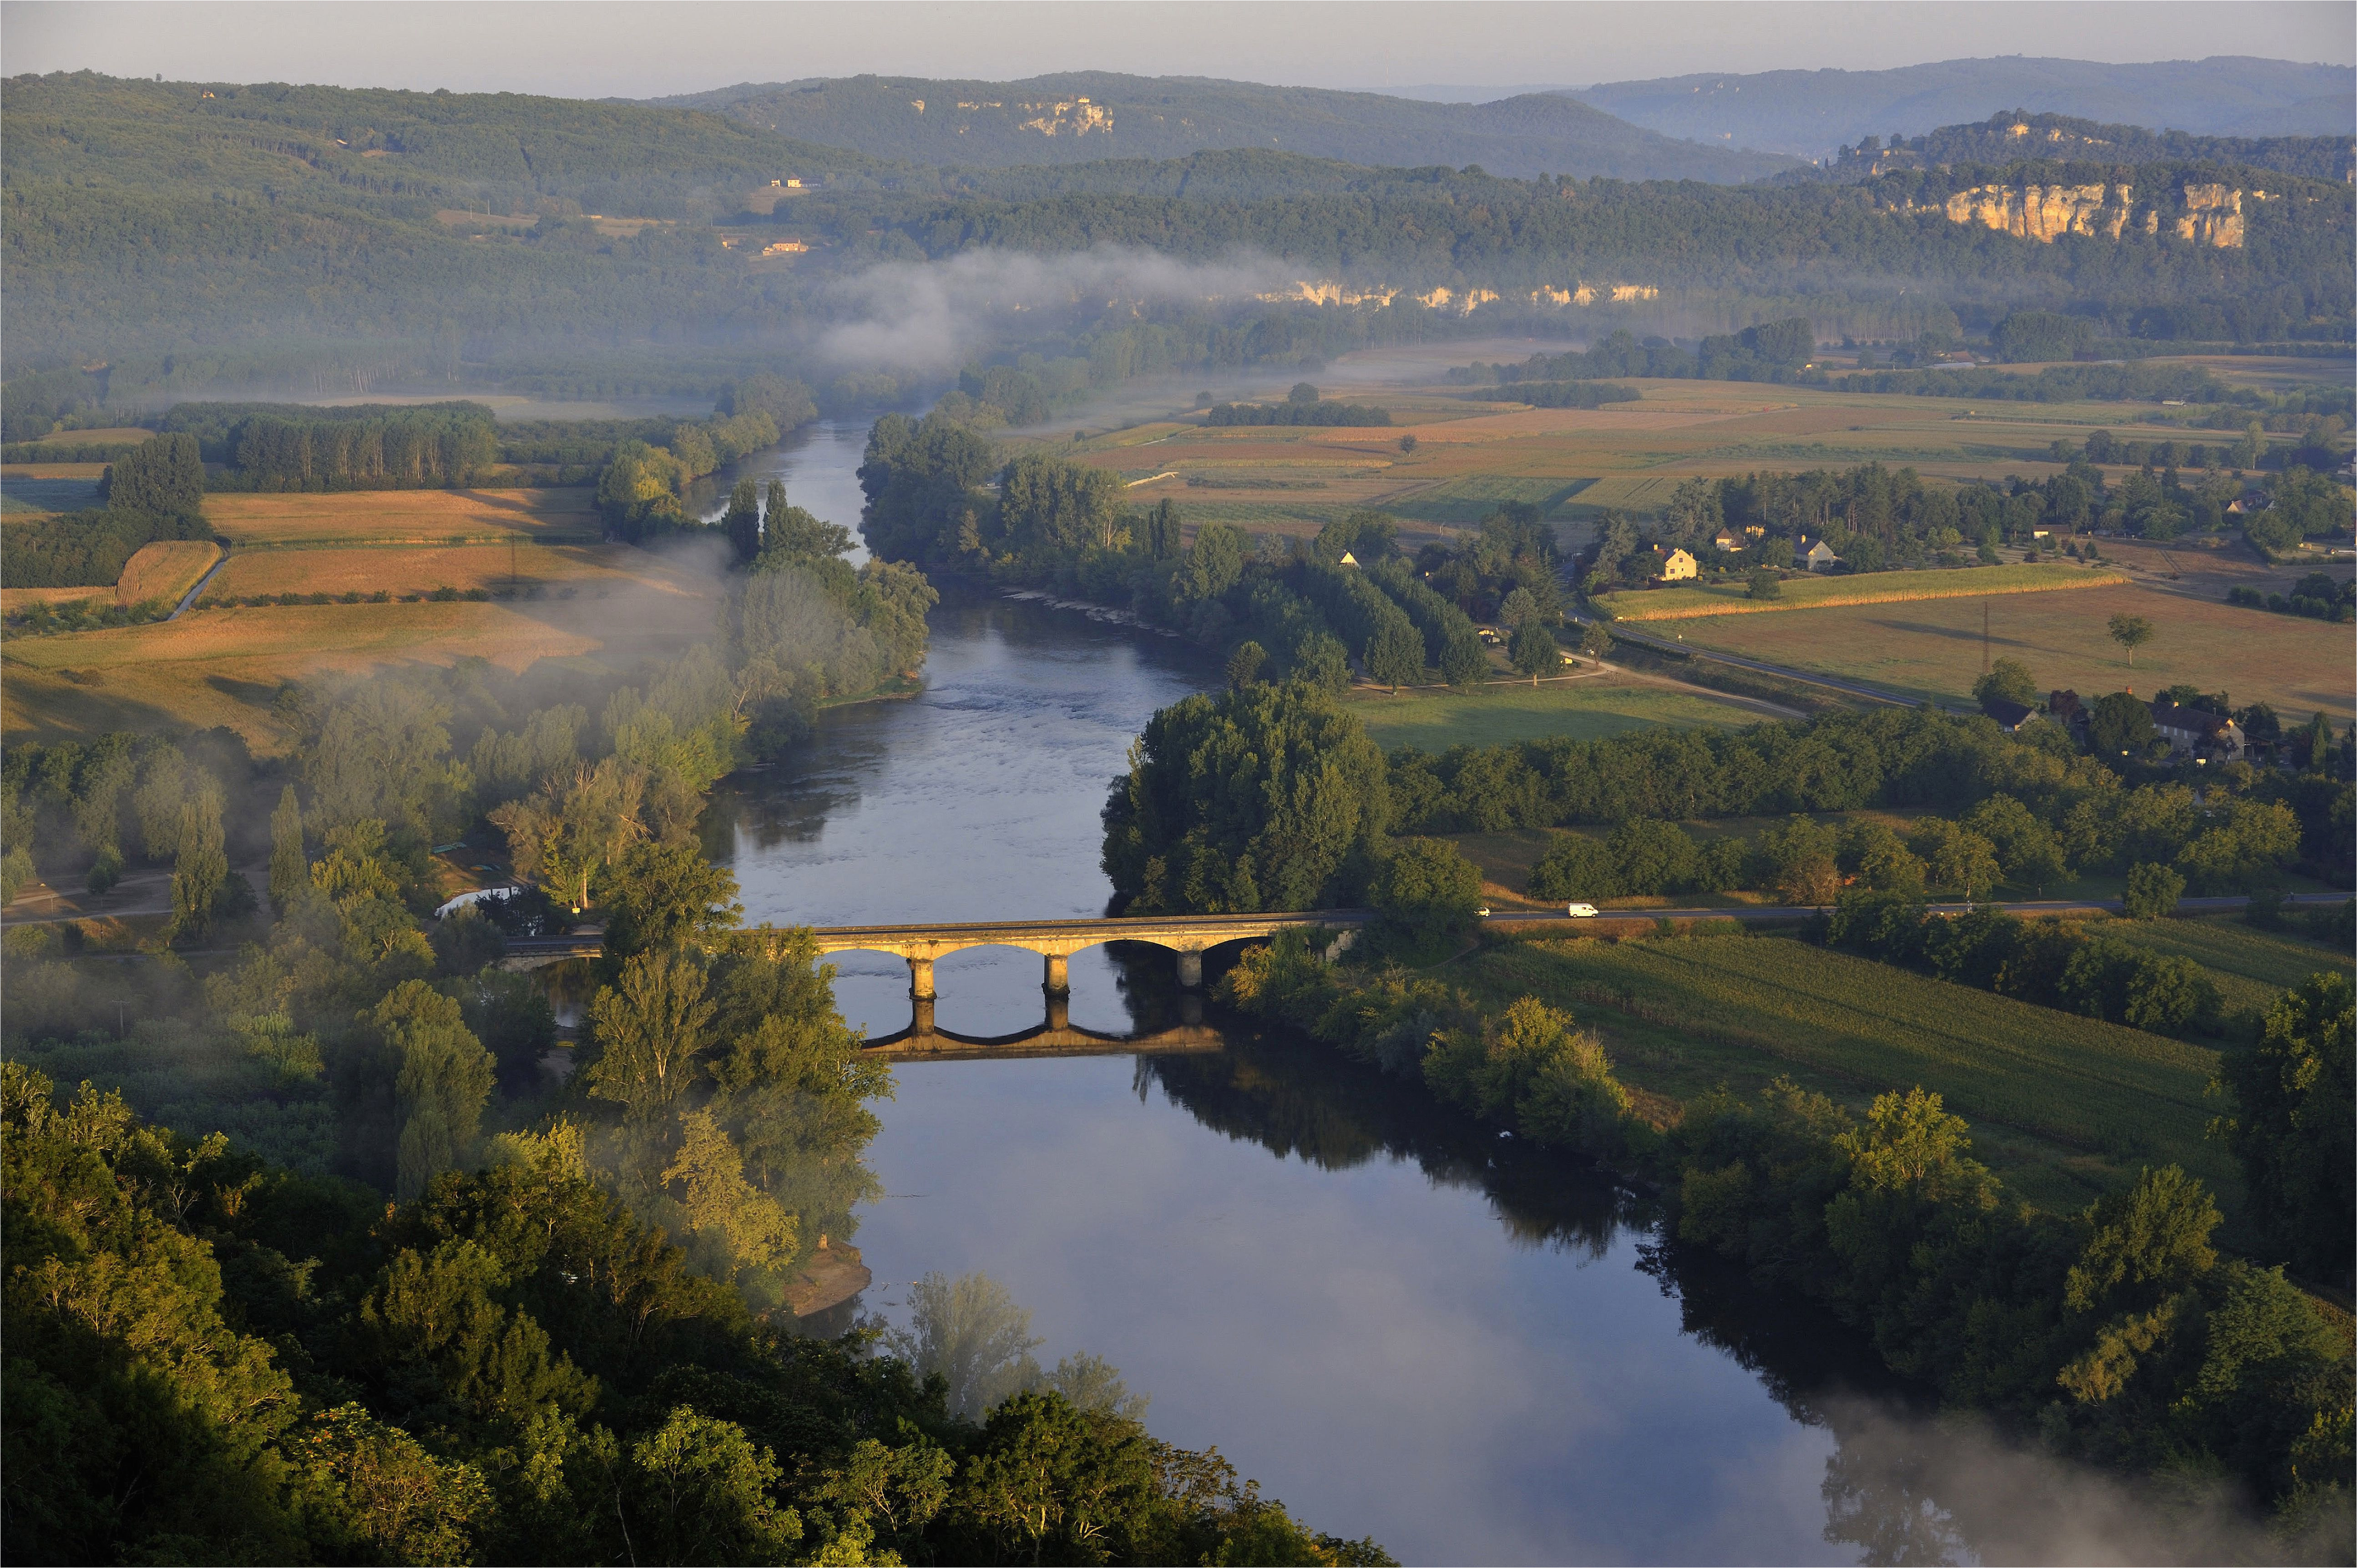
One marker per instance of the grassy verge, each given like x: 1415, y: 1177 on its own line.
x: 1867, y: 588
x: 1487, y: 715
x: 2066, y: 1106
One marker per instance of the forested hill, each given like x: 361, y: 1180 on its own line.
x: 1809, y: 114
x: 403, y: 153
x: 2013, y: 134
x: 1087, y: 115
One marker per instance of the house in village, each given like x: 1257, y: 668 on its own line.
x: 2248, y: 502
x: 2009, y: 715
x: 2198, y: 732
x: 1672, y: 565
x: 1729, y: 540
x: 1816, y: 555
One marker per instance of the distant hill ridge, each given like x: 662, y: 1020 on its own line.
x: 1809, y: 113
x: 1085, y: 115
x: 2015, y: 138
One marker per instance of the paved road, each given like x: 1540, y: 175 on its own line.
x: 1790, y: 912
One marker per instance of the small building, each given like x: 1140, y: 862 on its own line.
x: 1348, y: 560
x: 2198, y: 732
x: 1818, y: 556
x: 2249, y: 501
x: 1676, y: 567
x: 1727, y: 539
x: 2009, y: 715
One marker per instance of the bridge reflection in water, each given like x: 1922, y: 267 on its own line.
x: 1187, y: 937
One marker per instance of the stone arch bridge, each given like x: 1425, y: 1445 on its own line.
x: 1188, y: 937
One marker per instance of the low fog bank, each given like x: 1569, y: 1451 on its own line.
x: 1952, y: 1489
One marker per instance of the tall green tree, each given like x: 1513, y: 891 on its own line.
x: 649, y: 1027
x: 1267, y: 798
x: 201, y: 874
x: 442, y: 1078
x: 2295, y: 1104
x: 663, y: 896
x: 290, y: 868
x: 1534, y: 650
x: 742, y: 522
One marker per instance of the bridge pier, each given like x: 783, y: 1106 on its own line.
x: 1191, y: 970
x: 1060, y: 1009
x: 1060, y: 977
x: 921, y: 994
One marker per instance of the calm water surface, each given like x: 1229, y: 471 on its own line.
x: 1397, y: 1321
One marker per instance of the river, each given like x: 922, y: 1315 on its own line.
x: 1398, y: 1322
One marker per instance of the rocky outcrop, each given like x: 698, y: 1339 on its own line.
x: 2205, y: 214
x: 2212, y: 216
x: 2044, y: 213
x: 1079, y: 117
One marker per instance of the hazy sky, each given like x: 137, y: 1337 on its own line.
x: 638, y: 50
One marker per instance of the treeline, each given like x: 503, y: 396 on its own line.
x: 1574, y: 394
x: 1998, y: 140
x: 152, y: 492
x: 1878, y: 518
x: 363, y: 447
x: 1209, y: 797
x: 1068, y: 525
x: 1313, y: 409
x: 2119, y: 1335
x: 1772, y: 351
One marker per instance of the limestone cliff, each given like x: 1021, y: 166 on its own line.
x: 2205, y: 214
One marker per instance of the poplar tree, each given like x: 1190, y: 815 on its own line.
x: 290, y: 869
x: 201, y: 870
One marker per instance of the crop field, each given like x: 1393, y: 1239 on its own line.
x: 420, y: 569
x: 2250, y: 967
x: 225, y: 666
x: 1933, y: 649
x: 165, y: 570
x: 1690, y: 603
x: 1586, y: 708
x: 2084, y: 1102
x: 1579, y: 462
x: 405, y: 516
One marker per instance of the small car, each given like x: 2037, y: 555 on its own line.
x: 1580, y: 912
x: 1483, y: 911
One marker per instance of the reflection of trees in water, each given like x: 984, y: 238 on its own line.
x: 1299, y: 1098
x: 1899, y: 1488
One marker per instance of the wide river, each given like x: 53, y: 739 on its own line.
x: 1399, y: 1324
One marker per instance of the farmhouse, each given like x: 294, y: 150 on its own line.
x: 1819, y: 556
x: 2009, y: 715
x: 1727, y: 539
x: 1676, y: 566
x: 2197, y: 731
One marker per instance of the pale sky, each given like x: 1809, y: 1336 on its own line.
x: 638, y: 50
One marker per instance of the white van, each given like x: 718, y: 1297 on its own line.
x: 1580, y: 912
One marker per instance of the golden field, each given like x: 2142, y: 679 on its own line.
x: 401, y: 569
x: 1933, y: 649
x: 405, y: 516
x: 223, y: 666
x: 165, y: 570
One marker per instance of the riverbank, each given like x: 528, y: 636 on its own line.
x: 1887, y: 1218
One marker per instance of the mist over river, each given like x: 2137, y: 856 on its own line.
x: 1399, y: 1322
